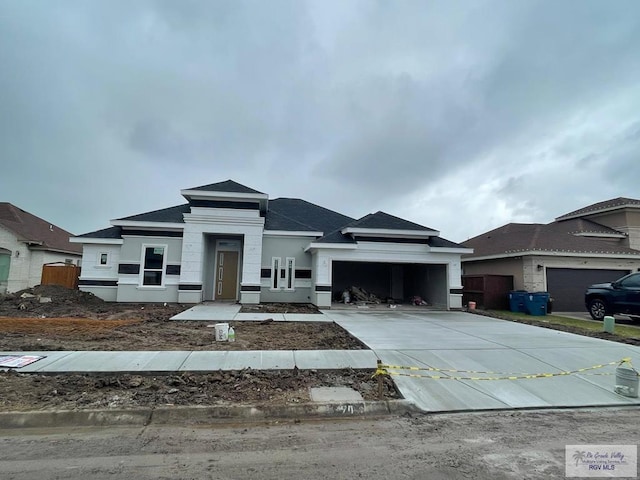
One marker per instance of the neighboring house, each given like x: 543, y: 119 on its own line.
x: 26, y: 244
x: 231, y: 243
x: 595, y: 244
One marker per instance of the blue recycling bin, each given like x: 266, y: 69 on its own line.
x: 517, y: 301
x: 535, y: 303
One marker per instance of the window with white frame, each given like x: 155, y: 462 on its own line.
x: 275, y: 273
x: 153, y: 263
x: 103, y: 259
x: 290, y: 273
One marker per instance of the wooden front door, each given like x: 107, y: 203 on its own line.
x: 227, y: 276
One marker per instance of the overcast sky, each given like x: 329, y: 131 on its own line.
x: 458, y: 115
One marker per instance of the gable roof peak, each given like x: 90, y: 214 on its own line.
x: 227, y: 186
x: 600, y: 207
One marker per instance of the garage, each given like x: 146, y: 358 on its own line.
x: 397, y: 281
x: 567, y: 285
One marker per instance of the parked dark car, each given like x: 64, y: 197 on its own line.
x: 621, y: 296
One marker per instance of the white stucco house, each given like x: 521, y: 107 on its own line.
x: 28, y: 242
x: 230, y: 242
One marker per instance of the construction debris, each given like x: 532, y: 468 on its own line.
x: 360, y: 295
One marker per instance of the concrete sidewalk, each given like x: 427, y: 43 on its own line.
x: 137, y: 362
x: 224, y: 312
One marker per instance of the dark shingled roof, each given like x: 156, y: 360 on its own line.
x: 277, y: 221
x: 439, y: 242
x: 169, y: 215
x: 320, y: 219
x: 601, y: 206
x: 111, y: 232
x: 382, y: 220
x: 29, y: 228
x: 228, y: 186
x: 555, y: 236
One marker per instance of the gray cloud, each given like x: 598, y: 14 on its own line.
x: 109, y: 108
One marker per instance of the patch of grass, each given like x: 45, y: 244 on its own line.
x: 620, y: 330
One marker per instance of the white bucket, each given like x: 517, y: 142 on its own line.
x: 627, y: 380
x: 472, y: 305
x: 222, y: 332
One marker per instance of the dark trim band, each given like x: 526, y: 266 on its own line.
x: 129, y: 268
x: 173, y: 270
x: 225, y: 204
x: 323, y: 288
x: 153, y: 233
x: 250, y: 288
x: 456, y: 291
x: 303, y: 273
x: 189, y: 287
x: 98, y: 283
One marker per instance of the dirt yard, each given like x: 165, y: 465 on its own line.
x: 74, y: 320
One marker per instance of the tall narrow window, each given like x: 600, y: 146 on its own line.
x: 290, y: 273
x: 104, y: 259
x: 275, y: 273
x: 153, y: 266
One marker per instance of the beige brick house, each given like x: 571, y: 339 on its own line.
x: 594, y: 244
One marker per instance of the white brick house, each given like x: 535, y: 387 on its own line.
x: 27, y: 243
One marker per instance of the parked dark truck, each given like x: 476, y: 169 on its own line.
x: 621, y: 296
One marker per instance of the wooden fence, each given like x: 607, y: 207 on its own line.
x: 60, y: 274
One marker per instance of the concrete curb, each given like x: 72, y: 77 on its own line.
x: 201, y: 414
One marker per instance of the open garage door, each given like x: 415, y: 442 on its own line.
x: 567, y: 285
x: 396, y: 281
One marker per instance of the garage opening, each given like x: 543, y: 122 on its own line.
x: 567, y: 285
x: 392, y: 281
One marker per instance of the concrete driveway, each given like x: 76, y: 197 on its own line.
x: 467, y: 345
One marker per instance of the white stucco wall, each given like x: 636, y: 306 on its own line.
x: 283, y: 247
x: 91, y: 268
x: 322, y: 260
x: 219, y: 221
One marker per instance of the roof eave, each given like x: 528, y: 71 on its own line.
x: 570, y: 216
x: 461, y: 251
x: 292, y: 233
x: 148, y: 225
x: 330, y: 246
x: 389, y: 233
x: 551, y: 253
x: 95, y: 240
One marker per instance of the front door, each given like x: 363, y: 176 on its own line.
x: 226, y: 285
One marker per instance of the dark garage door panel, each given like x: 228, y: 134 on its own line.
x: 567, y: 285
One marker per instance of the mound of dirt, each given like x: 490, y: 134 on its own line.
x: 274, y: 387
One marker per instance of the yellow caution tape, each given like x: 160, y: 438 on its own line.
x: 391, y: 370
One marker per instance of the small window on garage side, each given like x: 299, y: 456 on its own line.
x: 103, y: 259
x: 275, y: 273
x: 153, y: 265
x: 290, y: 273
